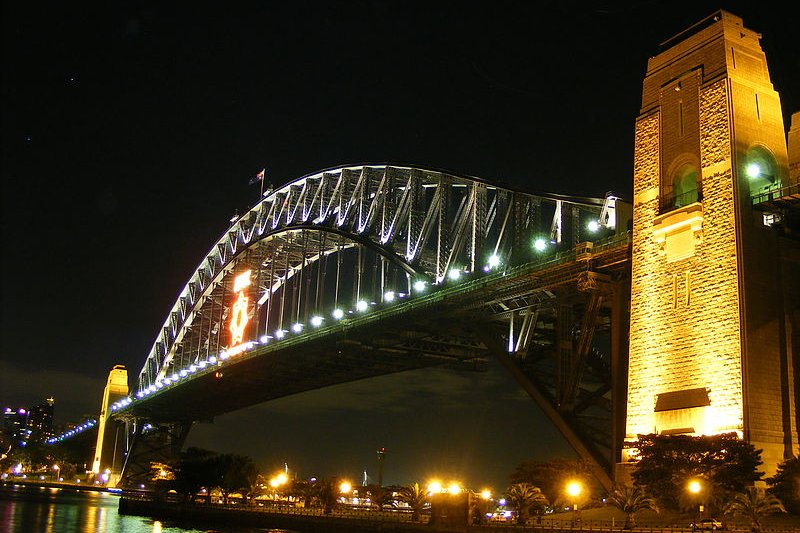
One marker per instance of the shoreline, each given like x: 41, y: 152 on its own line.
x: 59, y: 485
x: 307, y: 523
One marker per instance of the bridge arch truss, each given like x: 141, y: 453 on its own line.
x: 348, y: 237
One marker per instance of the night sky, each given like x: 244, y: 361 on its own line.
x: 131, y: 131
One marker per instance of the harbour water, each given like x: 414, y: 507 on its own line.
x: 29, y: 509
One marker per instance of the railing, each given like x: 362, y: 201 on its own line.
x: 676, y: 201
x: 775, y: 194
x: 284, y: 508
x: 543, y: 524
x: 550, y: 525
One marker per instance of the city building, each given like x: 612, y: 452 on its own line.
x: 40, y: 420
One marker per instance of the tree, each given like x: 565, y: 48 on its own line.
x: 380, y: 497
x: 328, y: 494
x: 417, y: 499
x: 522, y: 497
x: 754, y: 504
x: 785, y: 484
x: 667, y: 462
x: 552, y: 475
x: 234, y: 473
x: 162, y: 475
x: 194, y: 471
x: 303, y: 490
x: 256, y: 488
x: 631, y: 500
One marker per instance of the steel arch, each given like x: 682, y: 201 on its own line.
x: 425, y: 222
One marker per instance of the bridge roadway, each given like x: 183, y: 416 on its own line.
x: 438, y: 328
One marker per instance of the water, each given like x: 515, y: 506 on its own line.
x: 26, y: 509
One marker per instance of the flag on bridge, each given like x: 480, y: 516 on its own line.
x: 259, y: 177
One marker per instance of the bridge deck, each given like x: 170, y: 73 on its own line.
x: 431, y: 330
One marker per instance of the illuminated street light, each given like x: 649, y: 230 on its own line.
x: 454, y: 488
x: 388, y: 296
x: 361, y: 306
x: 419, y: 285
x: 486, y: 494
x: 454, y: 274
x: 494, y: 261
x: 278, y: 480
x: 753, y: 170
x: 297, y: 327
x: 316, y: 321
x: 593, y: 225
x: 338, y: 314
x: 280, y: 333
x: 345, y: 487
x: 574, y: 489
x: 540, y: 245
x: 695, y: 488
x: 434, y: 487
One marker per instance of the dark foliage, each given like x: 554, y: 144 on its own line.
x: 668, y: 462
x: 193, y: 472
x: 552, y: 476
x: 785, y: 484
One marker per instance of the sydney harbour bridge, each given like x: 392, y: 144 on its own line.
x: 367, y: 270
x: 684, y: 320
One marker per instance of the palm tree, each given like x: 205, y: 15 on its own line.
x: 302, y: 490
x: 523, y: 497
x: 631, y: 500
x: 754, y: 504
x: 328, y: 494
x: 256, y: 487
x: 416, y: 497
x: 380, y: 497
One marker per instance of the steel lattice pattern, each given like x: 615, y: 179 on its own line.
x: 332, y: 239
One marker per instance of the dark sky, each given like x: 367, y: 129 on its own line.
x: 130, y: 132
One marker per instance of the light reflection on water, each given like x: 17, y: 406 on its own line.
x: 51, y: 510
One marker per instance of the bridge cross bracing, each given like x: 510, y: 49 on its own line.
x: 371, y: 228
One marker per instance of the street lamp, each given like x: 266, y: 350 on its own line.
x: 434, y: 487
x: 277, y: 481
x: 574, y: 489
x: 56, y: 467
x: 477, y: 504
x: 695, y: 488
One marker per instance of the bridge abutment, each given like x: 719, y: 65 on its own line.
x: 111, y: 434
x: 708, y: 353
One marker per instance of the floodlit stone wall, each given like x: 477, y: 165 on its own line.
x: 709, y: 348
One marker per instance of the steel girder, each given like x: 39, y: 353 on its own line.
x: 565, y: 343
x: 373, y: 224
x: 152, y: 443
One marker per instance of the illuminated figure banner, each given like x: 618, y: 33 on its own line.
x: 239, y: 318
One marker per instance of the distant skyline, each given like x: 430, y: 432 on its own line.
x: 131, y: 133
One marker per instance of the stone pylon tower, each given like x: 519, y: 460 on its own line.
x: 111, y: 435
x: 714, y: 291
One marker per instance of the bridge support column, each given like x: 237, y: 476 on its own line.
x: 595, y: 464
x: 707, y: 352
x: 107, y: 453
x: 152, y: 444
x: 620, y: 331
